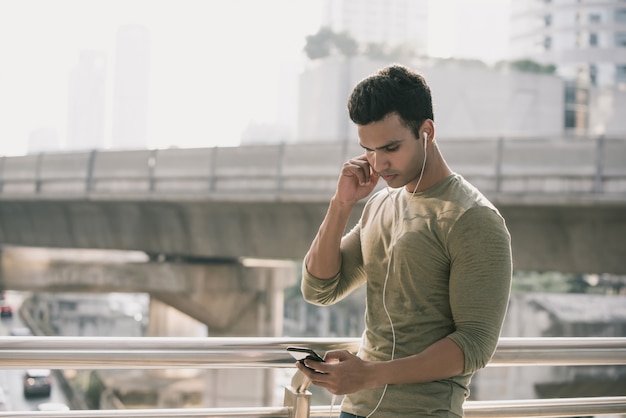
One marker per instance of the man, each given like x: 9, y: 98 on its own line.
x: 434, y: 254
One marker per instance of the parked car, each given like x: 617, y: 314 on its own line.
x: 3, y: 400
x: 37, y: 382
x: 52, y: 406
x: 6, y: 311
x: 20, y: 332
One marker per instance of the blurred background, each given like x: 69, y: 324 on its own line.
x: 127, y: 83
x: 158, y: 74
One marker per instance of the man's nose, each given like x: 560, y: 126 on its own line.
x: 378, y: 162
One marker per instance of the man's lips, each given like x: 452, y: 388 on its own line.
x: 388, y: 177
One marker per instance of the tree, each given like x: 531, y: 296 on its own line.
x: 530, y: 66
x: 346, y: 44
x: 318, y: 45
x: 326, y: 42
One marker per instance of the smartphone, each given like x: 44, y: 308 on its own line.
x: 303, y: 353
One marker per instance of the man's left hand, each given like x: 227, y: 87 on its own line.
x: 342, y: 373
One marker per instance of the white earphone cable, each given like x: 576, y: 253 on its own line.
x: 394, y: 238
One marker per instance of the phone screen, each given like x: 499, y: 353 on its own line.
x: 302, y: 353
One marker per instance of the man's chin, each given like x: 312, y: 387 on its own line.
x: 394, y: 182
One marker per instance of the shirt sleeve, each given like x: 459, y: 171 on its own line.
x: 350, y: 276
x: 480, y: 283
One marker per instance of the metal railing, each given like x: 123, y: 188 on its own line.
x: 155, y: 353
x: 591, y: 165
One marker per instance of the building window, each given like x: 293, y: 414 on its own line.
x: 593, y: 39
x: 595, y: 17
x: 620, y: 74
x: 620, y: 39
x: 620, y: 16
x: 547, y: 43
x: 593, y: 74
x: 570, y: 118
x: 547, y: 20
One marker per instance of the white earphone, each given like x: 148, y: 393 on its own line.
x: 384, y: 299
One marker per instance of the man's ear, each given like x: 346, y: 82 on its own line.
x: 427, y: 130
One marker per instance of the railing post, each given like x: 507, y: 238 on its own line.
x: 598, y: 183
x: 2, y: 159
x: 152, y: 162
x: 90, y: 169
x: 297, y: 396
x: 281, y: 165
x: 499, y: 157
x: 212, y: 169
x: 38, y: 173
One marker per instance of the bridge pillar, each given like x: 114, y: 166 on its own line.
x: 225, y: 299
x: 244, y: 301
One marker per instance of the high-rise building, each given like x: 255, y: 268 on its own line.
x: 390, y: 22
x: 43, y: 139
x: 468, y: 102
x: 584, y: 39
x: 130, y: 95
x: 86, y: 102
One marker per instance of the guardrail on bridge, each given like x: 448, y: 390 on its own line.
x: 162, y: 352
x: 504, y: 165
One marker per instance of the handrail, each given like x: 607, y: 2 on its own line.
x: 565, y: 407
x: 220, y: 352
x: 499, y: 165
x: 168, y: 352
x: 252, y: 412
x: 473, y: 409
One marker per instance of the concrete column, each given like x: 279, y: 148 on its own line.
x: 167, y: 321
x: 244, y: 300
x: 262, y: 317
x: 187, y: 300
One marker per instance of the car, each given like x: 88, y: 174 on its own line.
x: 20, y: 332
x: 52, y: 406
x: 37, y: 382
x: 4, y: 406
x: 6, y: 311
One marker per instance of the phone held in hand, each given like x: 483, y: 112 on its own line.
x: 304, y: 353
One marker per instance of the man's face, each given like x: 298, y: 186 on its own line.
x: 393, y: 151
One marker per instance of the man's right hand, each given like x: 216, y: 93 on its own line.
x: 356, y: 181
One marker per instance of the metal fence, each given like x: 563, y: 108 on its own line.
x: 157, y: 352
x: 505, y: 165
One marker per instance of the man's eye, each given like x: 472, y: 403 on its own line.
x: 392, y: 148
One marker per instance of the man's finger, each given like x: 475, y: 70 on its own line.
x: 316, y: 365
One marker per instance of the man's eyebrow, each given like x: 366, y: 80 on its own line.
x: 387, y: 145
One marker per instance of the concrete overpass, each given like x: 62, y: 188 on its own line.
x: 212, y: 226
x: 564, y: 199
x: 213, y: 229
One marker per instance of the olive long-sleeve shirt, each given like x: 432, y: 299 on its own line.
x: 443, y: 257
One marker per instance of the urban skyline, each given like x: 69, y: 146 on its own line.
x: 206, y: 84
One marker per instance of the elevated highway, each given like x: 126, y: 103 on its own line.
x: 564, y: 199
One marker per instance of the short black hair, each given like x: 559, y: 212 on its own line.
x: 393, y: 89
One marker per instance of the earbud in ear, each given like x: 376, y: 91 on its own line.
x: 425, y: 139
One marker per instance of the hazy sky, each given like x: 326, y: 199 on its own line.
x: 215, y: 65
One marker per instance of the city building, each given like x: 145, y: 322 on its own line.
x: 557, y: 315
x: 586, y: 42
x: 131, y: 85
x: 389, y: 22
x: 469, y: 101
x: 43, y: 139
x: 86, y: 102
